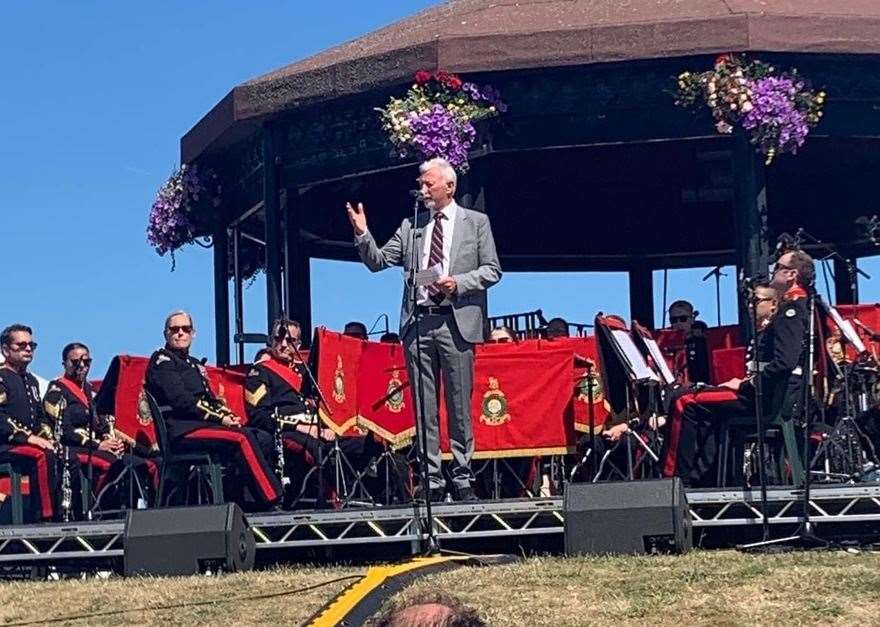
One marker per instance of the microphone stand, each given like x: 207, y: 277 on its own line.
x: 717, y: 273
x: 91, y: 447
x: 322, y: 400
x: 851, y: 267
x: 432, y: 543
x: 759, y: 413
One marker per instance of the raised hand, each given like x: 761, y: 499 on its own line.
x: 357, y: 217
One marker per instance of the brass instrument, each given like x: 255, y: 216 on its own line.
x: 62, y: 453
x: 17, y: 427
x: 216, y: 409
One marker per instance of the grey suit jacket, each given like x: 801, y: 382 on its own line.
x: 473, y: 264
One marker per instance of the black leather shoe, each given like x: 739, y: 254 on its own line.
x: 465, y: 494
x: 435, y: 494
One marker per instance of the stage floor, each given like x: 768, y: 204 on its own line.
x: 720, y: 518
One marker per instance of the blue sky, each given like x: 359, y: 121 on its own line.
x: 95, y: 98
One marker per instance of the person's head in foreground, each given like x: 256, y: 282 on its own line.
x: 430, y: 610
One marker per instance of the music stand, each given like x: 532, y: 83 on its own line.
x: 629, y: 379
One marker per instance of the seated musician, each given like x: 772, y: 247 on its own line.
x: 556, y: 327
x: 274, y: 400
x: 355, y: 329
x: 26, y: 438
x: 697, y: 414
x: 198, y: 420
x: 92, y: 439
x: 502, y: 334
x: 690, y: 354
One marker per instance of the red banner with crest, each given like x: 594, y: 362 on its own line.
x: 336, y: 358
x: 586, y: 383
x: 384, y: 400
x: 520, y: 400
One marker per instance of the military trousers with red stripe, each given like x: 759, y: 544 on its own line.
x: 106, y: 467
x: 247, y: 448
x: 39, y: 466
x: 696, y: 420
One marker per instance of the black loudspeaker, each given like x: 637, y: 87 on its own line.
x: 627, y: 517
x: 188, y: 540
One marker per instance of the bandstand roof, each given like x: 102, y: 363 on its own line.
x: 498, y: 35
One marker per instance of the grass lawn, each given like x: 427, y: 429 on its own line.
x: 717, y: 587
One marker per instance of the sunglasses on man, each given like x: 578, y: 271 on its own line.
x: 21, y: 346
x: 81, y: 362
x: 679, y: 318
x: 186, y: 328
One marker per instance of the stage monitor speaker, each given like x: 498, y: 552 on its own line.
x: 188, y: 540
x: 649, y: 516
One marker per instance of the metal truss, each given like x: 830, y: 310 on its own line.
x: 59, y: 542
x: 480, y: 520
x: 838, y: 504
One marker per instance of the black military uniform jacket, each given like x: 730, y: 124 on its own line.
x: 181, y: 384
x: 267, y: 389
x: 21, y: 412
x: 781, y: 355
x: 75, y: 416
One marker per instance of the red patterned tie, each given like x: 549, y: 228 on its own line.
x: 436, y: 255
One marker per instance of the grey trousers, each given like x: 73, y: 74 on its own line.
x: 444, y: 352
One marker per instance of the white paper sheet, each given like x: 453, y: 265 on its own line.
x: 846, y: 328
x: 633, y: 357
x: 659, y: 362
x: 429, y: 276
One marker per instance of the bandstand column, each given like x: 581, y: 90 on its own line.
x: 297, y: 265
x: 750, y: 220
x: 272, y: 205
x: 641, y: 295
x: 221, y: 293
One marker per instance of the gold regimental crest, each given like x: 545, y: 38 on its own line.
x: 494, y: 405
x: 395, y: 393
x: 144, y: 415
x: 590, y: 380
x: 339, y: 381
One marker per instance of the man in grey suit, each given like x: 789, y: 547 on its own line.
x: 451, y: 312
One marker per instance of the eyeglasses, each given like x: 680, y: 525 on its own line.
x: 21, y: 346
x: 678, y: 318
x: 781, y: 266
x: 765, y: 299
x: 82, y: 361
x: 177, y: 329
x: 289, y: 340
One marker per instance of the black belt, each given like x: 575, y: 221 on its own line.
x: 434, y: 309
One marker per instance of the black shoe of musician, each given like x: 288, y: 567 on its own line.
x: 465, y: 494
x: 435, y: 494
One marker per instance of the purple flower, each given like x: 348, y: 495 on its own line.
x: 169, y: 226
x: 774, y: 119
x: 493, y: 97
x: 438, y: 133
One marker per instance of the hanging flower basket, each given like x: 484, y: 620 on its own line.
x: 777, y: 109
x: 436, y: 117
x: 170, y: 223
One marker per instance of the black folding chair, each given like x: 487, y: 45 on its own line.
x: 182, y: 468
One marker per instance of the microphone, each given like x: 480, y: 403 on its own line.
x: 786, y: 243
x: 415, y: 193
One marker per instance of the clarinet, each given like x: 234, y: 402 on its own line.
x: 62, y: 451
x: 279, y: 449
